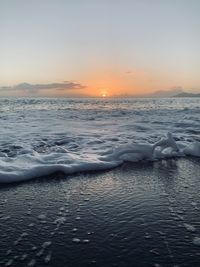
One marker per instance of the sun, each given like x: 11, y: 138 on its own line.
x: 104, y: 93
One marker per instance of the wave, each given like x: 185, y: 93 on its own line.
x: 30, y: 164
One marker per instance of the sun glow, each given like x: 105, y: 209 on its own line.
x: 104, y: 93
x: 106, y: 84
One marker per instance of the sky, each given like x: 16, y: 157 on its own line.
x: 98, y: 47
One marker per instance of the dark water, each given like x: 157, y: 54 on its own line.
x: 135, y: 215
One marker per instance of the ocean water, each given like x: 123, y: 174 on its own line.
x: 41, y: 136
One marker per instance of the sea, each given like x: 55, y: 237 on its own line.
x: 43, y: 136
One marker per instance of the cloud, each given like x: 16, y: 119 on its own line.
x: 35, y: 88
x: 137, y: 73
x: 129, y: 72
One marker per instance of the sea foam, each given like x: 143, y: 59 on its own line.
x: 24, y: 167
x: 46, y: 136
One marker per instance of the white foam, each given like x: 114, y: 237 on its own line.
x: 9, y: 252
x: 59, y: 221
x: 9, y: 262
x: 31, y: 263
x: 123, y: 130
x: 40, y: 253
x: 189, y: 227
x: 19, y: 169
x: 192, y: 149
x: 196, y: 240
x: 24, y: 234
x: 46, y: 244
x: 86, y: 241
x: 47, y: 259
x: 16, y: 242
x: 24, y: 256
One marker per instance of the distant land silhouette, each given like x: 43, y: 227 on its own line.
x: 173, y: 92
x: 185, y: 94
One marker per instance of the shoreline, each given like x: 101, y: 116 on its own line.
x: 133, y: 215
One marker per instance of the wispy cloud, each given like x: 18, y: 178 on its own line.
x: 36, y: 88
x: 137, y: 72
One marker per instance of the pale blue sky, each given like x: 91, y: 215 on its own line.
x: 47, y: 41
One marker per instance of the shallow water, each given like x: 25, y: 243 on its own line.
x: 140, y: 214
x: 41, y: 136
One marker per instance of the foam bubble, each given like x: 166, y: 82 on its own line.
x: 189, y: 227
x: 47, y: 259
x: 24, y: 256
x: 9, y: 262
x: 86, y: 241
x: 196, y: 240
x: 31, y: 263
x: 46, y: 244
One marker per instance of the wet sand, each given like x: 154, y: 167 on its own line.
x: 135, y: 215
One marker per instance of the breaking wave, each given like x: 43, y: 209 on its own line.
x: 42, y: 137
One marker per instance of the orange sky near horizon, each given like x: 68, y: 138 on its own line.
x: 101, y: 82
x: 116, y: 83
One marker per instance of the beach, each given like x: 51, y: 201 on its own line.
x: 138, y: 214
x: 100, y: 133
